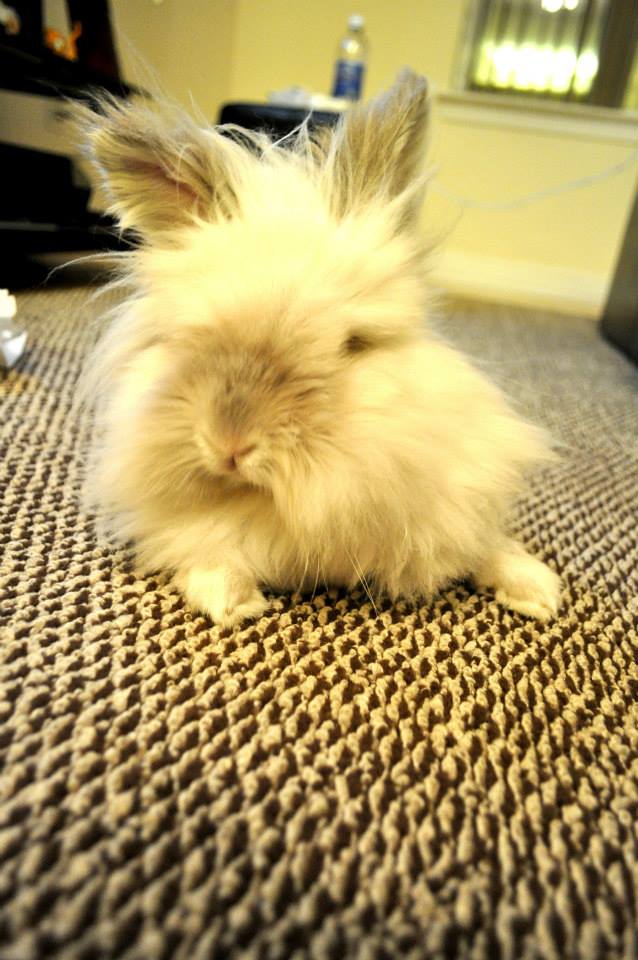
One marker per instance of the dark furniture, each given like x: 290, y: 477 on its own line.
x: 620, y: 319
x: 274, y: 119
x: 44, y: 195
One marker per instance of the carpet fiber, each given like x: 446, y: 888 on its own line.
x: 439, y: 781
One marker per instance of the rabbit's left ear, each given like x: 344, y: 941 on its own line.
x: 376, y: 152
x: 160, y: 169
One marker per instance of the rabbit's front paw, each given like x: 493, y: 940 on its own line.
x: 522, y: 583
x: 228, y: 596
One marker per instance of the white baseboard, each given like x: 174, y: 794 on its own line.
x: 522, y: 282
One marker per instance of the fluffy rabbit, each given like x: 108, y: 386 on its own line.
x: 271, y: 407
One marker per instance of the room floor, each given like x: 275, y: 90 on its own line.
x: 443, y: 780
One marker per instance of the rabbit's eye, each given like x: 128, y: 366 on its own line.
x: 356, y: 344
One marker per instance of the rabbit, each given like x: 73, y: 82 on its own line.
x: 271, y: 408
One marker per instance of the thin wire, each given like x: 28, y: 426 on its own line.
x: 467, y: 203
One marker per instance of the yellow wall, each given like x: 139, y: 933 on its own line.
x: 282, y: 42
x: 560, y: 251
x: 183, y: 47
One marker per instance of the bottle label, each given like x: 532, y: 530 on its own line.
x: 348, y: 79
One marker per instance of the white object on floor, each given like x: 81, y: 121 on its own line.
x: 13, y: 339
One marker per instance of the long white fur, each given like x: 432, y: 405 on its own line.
x: 280, y: 308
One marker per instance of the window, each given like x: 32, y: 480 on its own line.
x: 583, y: 51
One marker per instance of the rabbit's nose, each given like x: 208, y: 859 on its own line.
x: 235, y: 455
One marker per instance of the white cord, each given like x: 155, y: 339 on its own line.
x: 467, y: 203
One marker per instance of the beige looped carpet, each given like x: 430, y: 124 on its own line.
x: 440, y: 781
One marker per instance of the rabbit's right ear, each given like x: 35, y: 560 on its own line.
x: 160, y: 170
x: 376, y: 152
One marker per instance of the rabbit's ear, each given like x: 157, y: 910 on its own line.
x: 160, y: 170
x: 376, y: 151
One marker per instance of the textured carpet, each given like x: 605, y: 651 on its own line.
x: 448, y: 780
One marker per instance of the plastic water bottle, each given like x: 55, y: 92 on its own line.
x: 350, y: 66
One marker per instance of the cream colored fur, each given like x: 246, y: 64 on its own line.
x: 271, y: 408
